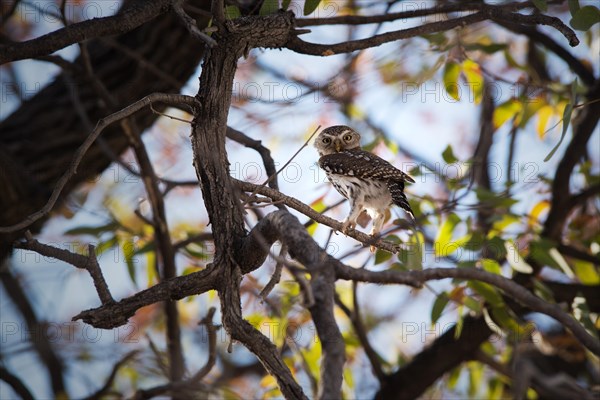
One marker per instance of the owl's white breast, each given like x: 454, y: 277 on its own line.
x: 372, y: 195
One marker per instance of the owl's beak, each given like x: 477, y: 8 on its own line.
x: 338, y: 146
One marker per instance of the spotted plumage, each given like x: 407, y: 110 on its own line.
x: 369, y: 182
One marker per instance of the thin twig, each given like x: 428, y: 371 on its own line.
x: 191, y: 26
x: 89, y: 263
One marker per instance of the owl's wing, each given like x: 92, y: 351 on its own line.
x: 362, y: 164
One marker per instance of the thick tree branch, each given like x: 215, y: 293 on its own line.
x: 487, y: 12
x: 582, y: 131
x: 116, y: 314
x: 128, y: 19
x: 81, y: 151
x: 388, y: 17
x: 446, y: 353
x: 510, y: 288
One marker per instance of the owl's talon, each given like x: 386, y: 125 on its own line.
x: 347, y: 226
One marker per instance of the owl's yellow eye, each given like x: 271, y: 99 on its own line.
x: 347, y: 138
x: 326, y: 140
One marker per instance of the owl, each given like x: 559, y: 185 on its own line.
x: 369, y: 182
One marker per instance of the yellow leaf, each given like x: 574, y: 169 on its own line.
x: 544, y: 115
x: 534, y: 215
x: 505, y: 111
x: 474, y: 79
x: 586, y: 272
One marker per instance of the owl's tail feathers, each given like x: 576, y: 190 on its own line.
x: 399, y: 198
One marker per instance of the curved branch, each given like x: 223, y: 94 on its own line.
x: 486, y: 12
x: 170, y: 99
x: 376, y: 19
x: 15, y: 383
x: 300, y: 46
x: 516, y: 291
x: 256, y: 145
x: 99, y: 394
x: 131, y: 17
x: 574, y: 63
x: 116, y: 314
x: 582, y: 132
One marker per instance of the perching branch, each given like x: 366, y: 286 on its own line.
x: 297, y: 205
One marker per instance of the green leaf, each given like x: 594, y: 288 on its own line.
x: 93, y: 230
x: 128, y: 248
x: 232, y: 12
x: 585, y: 18
x: 573, y: 6
x: 459, y: 324
x: 490, y: 265
x: 310, y: 6
x: 475, y: 377
x: 566, y: 120
x: 438, y: 307
x: 586, y: 272
x: 541, y: 5
x: 444, y: 236
x: 472, y: 304
x: 451, y: 75
x: 382, y: 256
x: 488, y: 292
x: 107, y: 244
x: 285, y: 4
x: 507, y: 320
x: 448, y: 155
x: 410, y: 256
x: 494, y: 199
x: 486, y: 48
x: 269, y: 7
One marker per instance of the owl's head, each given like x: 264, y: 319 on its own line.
x: 337, y: 138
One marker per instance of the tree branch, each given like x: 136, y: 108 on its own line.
x: 510, y: 288
x: 582, y: 132
x: 116, y: 314
x: 15, y: 383
x: 126, y: 20
x: 375, y: 19
x: 100, y: 393
x: 81, y: 151
x: 297, y: 205
x: 487, y: 12
x: 89, y: 263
